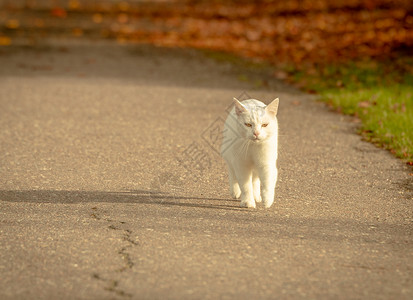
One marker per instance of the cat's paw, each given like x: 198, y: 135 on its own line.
x: 267, y: 204
x: 236, y: 195
x: 236, y: 192
x: 248, y: 204
x: 268, y: 198
x: 257, y: 198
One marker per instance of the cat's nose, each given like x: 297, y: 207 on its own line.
x: 256, y: 133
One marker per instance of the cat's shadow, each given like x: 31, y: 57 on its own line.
x: 128, y: 196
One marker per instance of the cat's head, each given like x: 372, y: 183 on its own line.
x: 257, y: 122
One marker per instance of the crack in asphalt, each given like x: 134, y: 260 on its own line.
x: 112, y: 285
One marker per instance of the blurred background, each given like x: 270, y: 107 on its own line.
x: 295, y: 31
x: 356, y: 54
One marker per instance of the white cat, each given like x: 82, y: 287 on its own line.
x: 249, y: 147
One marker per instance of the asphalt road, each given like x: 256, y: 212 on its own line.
x: 111, y: 186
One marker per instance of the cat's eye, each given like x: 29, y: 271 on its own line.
x: 265, y: 125
x: 248, y: 125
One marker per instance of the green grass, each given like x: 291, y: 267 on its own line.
x: 380, y: 93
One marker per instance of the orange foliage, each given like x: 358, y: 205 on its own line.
x: 295, y: 31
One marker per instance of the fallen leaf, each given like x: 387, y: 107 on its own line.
x: 123, y: 18
x: 5, y: 41
x: 74, y: 4
x: 58, y: 12
x: 124, y: 6
x: 39, y: 22
x: 12, y: 24
x: 97, y: 18
x: 77, y: 32
x: 279, y: 74
x: 364, y: 104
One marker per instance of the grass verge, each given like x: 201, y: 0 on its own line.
x: 378, y: 92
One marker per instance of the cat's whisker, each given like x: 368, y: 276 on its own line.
x: 240, y: 149
x: 243, y: 149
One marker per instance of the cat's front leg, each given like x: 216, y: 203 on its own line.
x: 245, y: 183
x: 256, y: 186
x: 235, y: 190
x: 233, y: 184
x: 268, y: 178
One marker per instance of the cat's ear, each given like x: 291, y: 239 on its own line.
x: 239, y: 108
x: 273, y: 107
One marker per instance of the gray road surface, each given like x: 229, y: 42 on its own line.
x: 111, y: 186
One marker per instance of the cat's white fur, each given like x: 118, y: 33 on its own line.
x: 249, y: 148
